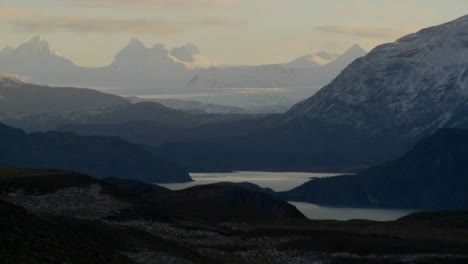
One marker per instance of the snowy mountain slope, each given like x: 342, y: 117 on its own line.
x: 310, y: 70
x: 190, y: 56
x: 409, y: 88
x: 313, y: 61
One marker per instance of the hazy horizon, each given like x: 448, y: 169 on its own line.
x: 229, y: 32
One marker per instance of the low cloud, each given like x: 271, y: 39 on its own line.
x: 365, y: 31
x: 153, y: 3
x: 41, y: 21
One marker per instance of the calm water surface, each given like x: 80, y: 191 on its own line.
x: 284, y: 181
x: 278, y: 181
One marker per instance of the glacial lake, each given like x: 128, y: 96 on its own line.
x: 284, y: 181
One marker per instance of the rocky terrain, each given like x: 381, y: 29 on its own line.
x: 119, y: 227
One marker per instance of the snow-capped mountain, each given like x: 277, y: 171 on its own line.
x: 179, y: 71
x: 405, y: 89
x: 310, y: 70
x: 151, y: 70
x: 35, y: 60
x: 191, y: 57
x: 314, y: 60
x: 140, y: 67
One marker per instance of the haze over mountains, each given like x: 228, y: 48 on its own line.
x: 374, y: 111
x: 139, y: 70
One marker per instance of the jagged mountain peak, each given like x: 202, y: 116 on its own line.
x: 135, y: 44
x: 356, y: 47
x: 137, y: 53
x: 36, y: 45
x: 313, y: 60
x: 354, y: 51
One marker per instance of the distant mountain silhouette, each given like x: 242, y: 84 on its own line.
x: 97, y: 156
x: 318, y: 69
x: 20, y: 97
x: 137, y: 69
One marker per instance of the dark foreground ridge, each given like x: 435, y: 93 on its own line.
x: 218, y: 202
x: 58, y: 217
x: 433, y: 176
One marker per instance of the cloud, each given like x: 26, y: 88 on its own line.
x: 214, y: 21
x: 366, y: 31
x: 153, y: 3
x: 38, y: 21
x: 42, y: 21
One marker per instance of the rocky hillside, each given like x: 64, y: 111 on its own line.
x: 62, y: 217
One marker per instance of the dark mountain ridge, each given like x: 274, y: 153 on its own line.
x: 17, y: 96
x: 97, y: 156
x: 434, y: 175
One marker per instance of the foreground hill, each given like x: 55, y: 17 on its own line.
x: 57, y: 216
x: 218, y: 202
x: 434, y: 175
x: 97, y: 156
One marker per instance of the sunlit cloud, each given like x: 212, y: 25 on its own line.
x: 153, y: 3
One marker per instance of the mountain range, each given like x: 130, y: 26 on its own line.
x: 310, y: 70
x: 378, y: 108
x: 374, y: 111
x: 137, y: 69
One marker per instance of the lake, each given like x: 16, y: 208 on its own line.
x: 284, y: 181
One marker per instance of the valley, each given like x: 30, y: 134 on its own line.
x: 164, y: 155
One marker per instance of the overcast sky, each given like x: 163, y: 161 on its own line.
x: 90, y: 32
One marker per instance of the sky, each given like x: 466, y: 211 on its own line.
x: 234, y: 32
